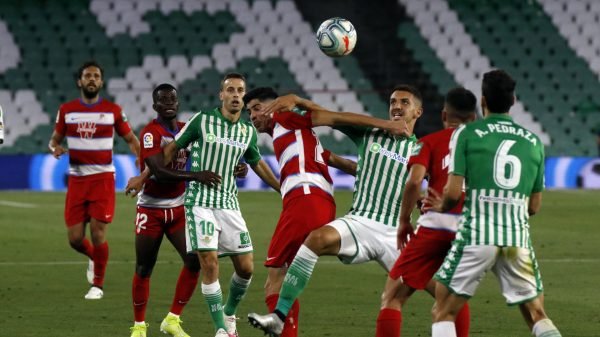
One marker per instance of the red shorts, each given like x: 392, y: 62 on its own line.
x: 422, y: 257
x: 90, y: 196
x: 155, y: 222
x: 300, y: 216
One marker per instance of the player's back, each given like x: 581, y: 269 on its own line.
x: 503, y: 164
x: 302, y: 166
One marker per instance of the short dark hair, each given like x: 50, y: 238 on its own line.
x: 498, y: 88
x: 88, y: 64
x: 462, y: 102
x: 232, y: 75
x: 409, y: 88
x: 262, y: 94
x: 162, y: 86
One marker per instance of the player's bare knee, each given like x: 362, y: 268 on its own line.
x: 318, y: 241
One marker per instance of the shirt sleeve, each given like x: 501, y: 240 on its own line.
x: 355, y: 133
x: 60, y: 126
x: 458, y: 146
x: 151, y: 140
x: 189, y: 133
x: 252, y: 154
x: 294, y: 121
x: 121, y: 124
x: 540, y: 182
x: 421, y: 154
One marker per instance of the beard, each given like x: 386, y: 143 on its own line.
x: 89, y: 94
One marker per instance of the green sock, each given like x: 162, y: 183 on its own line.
x: 214, y: 299
x: 237, y: 290
x: 296, y: 278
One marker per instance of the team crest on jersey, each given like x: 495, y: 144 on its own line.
x: 243, y: 129
x: 416, y: 149
x: 124, y: 116
x: 148, y: 140
x: 210, y: 138
x: 86, y: 130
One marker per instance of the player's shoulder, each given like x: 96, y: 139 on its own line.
x: 152, y: 127
x: 110, y: 105
x: 73, y: 104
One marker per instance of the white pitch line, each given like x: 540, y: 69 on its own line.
x: 65, y: 263
x: 17, y: 204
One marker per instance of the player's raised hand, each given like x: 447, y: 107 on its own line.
x: 134, y: 186
x: 433, y: 201
x: 281, y: 103
x: 398, y: 128
x: 208, y: 178
x: 405, y: 233
x: 241, y: 170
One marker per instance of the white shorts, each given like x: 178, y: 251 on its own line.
x: 223, y: 230
x: 516, y: 269
x: 435, y: 220
x: 366, y: 240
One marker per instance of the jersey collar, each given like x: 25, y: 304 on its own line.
x: 505, y: 117
x: 217, y: 112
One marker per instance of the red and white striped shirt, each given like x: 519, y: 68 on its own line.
x: 89, y: 129
x: 302, y: 160
x: 161, y: 194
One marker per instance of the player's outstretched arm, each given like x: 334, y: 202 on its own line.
x: 54, y: 145
x: 157, y: 166
x: 535, y: 203
x: 342, y: 164
x: 262, y: 169
x: 333, y: 119
x: 288, y: 102
x: 412, y: 193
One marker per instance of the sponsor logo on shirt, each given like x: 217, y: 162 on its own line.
x: 377, y: 148
x: 212, y: 138
x: 86, y: 130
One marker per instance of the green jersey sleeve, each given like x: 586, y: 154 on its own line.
x: 540, y: 183
x: 458, y: 146
x: 252, y: 154
x: 189, y: 133
x: 355, y: 133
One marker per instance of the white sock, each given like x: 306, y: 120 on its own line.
x: 140, y: 323
x: 307, y: 254
x: 241, y: 281
x: 212, y: 288
x: 443, y: 329
x: 172, y: 314
x: 545, y: 328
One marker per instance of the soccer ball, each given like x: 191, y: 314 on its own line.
x: 336, y: 37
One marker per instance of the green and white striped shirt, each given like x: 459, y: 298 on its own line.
x: 381, y: 173
x: 217, y: 146
x: 503, y: 164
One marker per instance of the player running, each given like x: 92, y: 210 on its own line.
x: 215, y: 227
x: 305, y: 181
x: 424, y: 253
x: 89, y: 123
x: 502, y: 164
x: 368, y: 231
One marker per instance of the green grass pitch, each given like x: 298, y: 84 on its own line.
x: 42, y: 281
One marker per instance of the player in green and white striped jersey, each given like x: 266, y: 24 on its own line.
x: 368, y: 231
x: 215, y: 227
x: 502, y: 165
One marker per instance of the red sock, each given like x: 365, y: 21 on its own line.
x: 290, y: 328
x: 389, y: 322
x: 140, y: 291
x: 100, y: 260
x: 186, y: 284
x: 85, y: 248
x: 463, y: 321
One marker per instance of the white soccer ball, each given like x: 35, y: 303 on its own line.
x: 336, y: 37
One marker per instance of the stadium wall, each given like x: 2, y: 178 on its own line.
x: 42, y: 172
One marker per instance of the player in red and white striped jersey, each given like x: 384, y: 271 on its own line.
x: 89, y: 123
x: 424, y: 253
x: 306, y: 186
